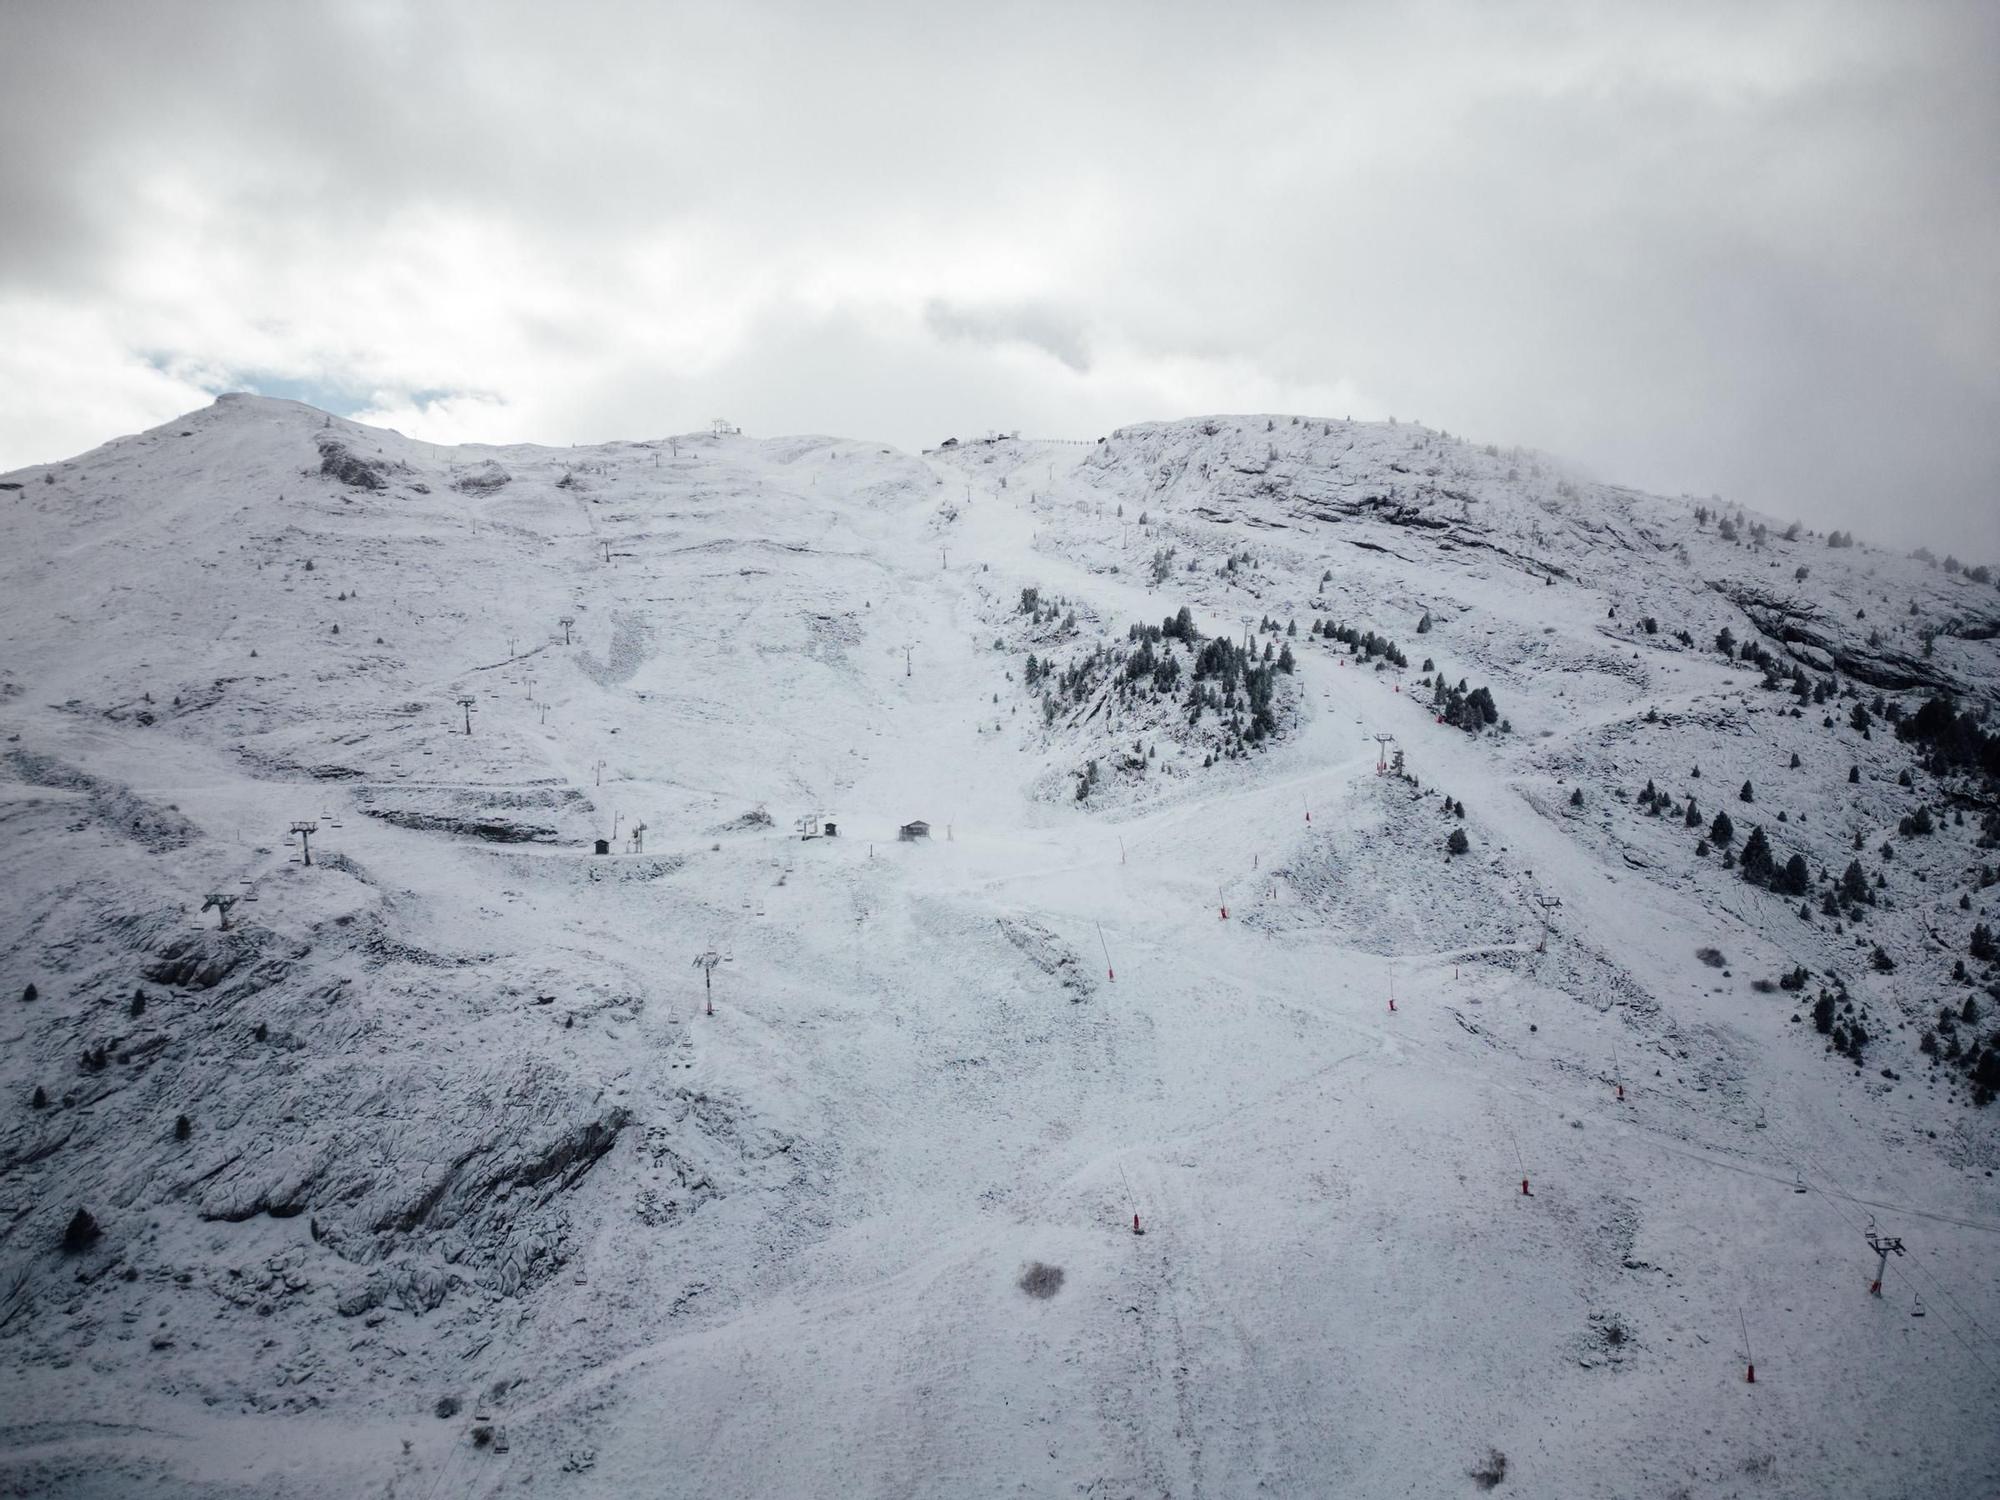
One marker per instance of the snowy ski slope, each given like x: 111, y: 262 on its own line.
x: 476, y: 1197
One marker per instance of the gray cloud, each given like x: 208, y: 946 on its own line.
x: 1056, y: 333
x: 1747, y: 251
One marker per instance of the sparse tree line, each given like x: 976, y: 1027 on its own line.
x: 1739, y: 528
x: 1849, y: 899
x: 1365, y: 644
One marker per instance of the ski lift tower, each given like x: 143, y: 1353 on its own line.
x: 638, y: 838
x: 1548, y: 905
x: 221, y: 903
x: 1382, y: 744
x: 466, y: 704
x: 305, y: 828
x: 706, y: 962
x: 1884, y: 1246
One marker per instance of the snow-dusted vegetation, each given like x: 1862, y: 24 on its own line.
x: 1504, y: 939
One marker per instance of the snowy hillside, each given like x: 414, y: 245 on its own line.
x: 422, y: 1166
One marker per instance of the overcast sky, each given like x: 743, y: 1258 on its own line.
x: 1746, y: 249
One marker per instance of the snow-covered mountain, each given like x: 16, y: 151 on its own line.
x: 422, y: 1167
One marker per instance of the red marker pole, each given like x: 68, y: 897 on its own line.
x: 1524, y: 1189
x: 1135, y: 1225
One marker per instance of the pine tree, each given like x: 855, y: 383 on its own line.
x: 1756, y: 858
x: 1721, y: 831
x: 1854, y: 884
x: 81, y: 1234
x: 1693, y: 814
x: 1458, y: 843
x: 1795, y: 879
x: 1746, y: 795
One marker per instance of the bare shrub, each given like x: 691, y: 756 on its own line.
x: 1488, y: 1473
x: 1042, y: 1281
x: 1711, y: 956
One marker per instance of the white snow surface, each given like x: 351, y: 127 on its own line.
x: 461, y: 1127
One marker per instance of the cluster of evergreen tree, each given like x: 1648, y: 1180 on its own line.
x: 1234, y: 682
x: 1224, y: 665
x: 1757, y: 861
x: 1979, y: 1061
x: 1162, y: 667
x: 1834, y: 1018
x: 1365, y: 644
x: 1044, y: 614
x: 1952, y: 741
x: 1469, y: 709
x: 1802, y: 688
x: 1760, y: 867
